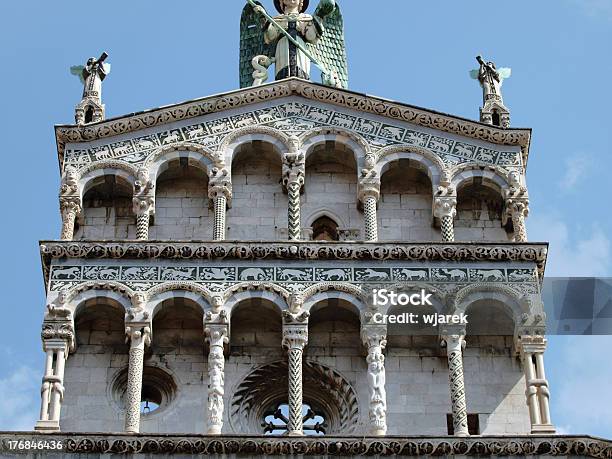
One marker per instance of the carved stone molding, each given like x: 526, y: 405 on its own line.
x: 207, y: 250
x: 312, y: 91
x: 526, y: 445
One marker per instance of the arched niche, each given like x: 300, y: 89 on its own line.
x: 333, y: 324
x: 259, y: 205
x: 256, y: 328
x: 107, y: 209
x: 480, y: 208
x: 331, y: 181
x: 178, y: 328
x: 181, y: 201
x: 405, y: 206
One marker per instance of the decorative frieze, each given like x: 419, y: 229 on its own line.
x: 260, y: 445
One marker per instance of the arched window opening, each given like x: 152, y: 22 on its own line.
x: 277, y: 422
x: 479, y: 213
x: 158, y: 390
x: 496, y: 118
x: 325, y: 229
x: 89, y: 113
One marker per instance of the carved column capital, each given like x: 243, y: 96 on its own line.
x: 369, y: 187
x: 138, y: 334
x: 374, y: 336
x: 532, y: 344
x: 453, y: 343
x: 445, y: 206
x: 294, y: 169
x: 295, y: 337
x: 518, y: 206
x: 220, y: 184
x: 58, y: 329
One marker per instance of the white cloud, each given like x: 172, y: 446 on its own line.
x: 571, y: 252
x: 577, y: 168
x: 582, y: 397
x: 20, y: 403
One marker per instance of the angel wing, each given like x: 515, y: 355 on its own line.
x: 330, y: 50
x: 505, y: 73
x: 251, y: 43
x: 77, y: 70
x: 106, y: 67
x: 474, y: 74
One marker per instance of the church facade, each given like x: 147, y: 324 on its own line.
x: 214, y: 288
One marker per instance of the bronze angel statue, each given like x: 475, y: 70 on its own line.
x: 292, y: 40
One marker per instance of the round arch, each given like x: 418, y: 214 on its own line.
x: 352, y: 141
x: 243, y: 292
x: 334, y: 290
x: 91, y: 175
x: 232, y: 142
x: 167, y: 292
x: 511, y: 300
x: 493, y: 178
x: 196, y: 155
x: 428, y: 161
x: 75, y: 298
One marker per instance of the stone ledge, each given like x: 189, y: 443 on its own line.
x: 286, y: 250
x: 94, y: 444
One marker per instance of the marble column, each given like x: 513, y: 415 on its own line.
x: 374, y: 338
x: 70, y: 209
x: 217, y: 337
x: 295, y: 338
x: 294, y: 171
x: 454, y: 351
x: 139, y: 336
x: 445, y: 208
x: 58, y: 341
x: 518, y: 209
x: 220, y: 192
x: 536, y: 391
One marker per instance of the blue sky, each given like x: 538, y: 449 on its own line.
x: 415, y: 52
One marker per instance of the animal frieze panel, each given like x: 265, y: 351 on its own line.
x: 369, y: 274
x: 179, y: 274
x: 488, y: 275
x: 449, y: 275
x: 334, y: 274
x: 66, y: 273
x: 294, y: 118
x: 171, y: 136
x: 218, y: 274
x: 521, y: 275
x: 256, y: 274
x: 294, y: 274
x: 140, y: 273
x: 101, y: 272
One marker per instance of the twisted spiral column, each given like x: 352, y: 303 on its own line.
x: 294, y: 210
x: 138, y: 337
x: 142, y: 226
x: 454, y: 351
x: 295, y: 338
x: 220, y: 201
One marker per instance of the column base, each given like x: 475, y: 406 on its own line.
x: 295, y: 433
x: 47, y: 426
x: 543, y: 429
x: 214, y: 430
x: 376, y: 432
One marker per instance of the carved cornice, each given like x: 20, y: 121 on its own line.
x: 508, y: 445
x: 312, y: 91
x: 257, y: 250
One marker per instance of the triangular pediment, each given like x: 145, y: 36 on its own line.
x: 292, y: 107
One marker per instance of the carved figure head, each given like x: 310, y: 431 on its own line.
x: 296, y: 5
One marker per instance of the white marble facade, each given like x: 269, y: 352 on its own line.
x: 225, y: 236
